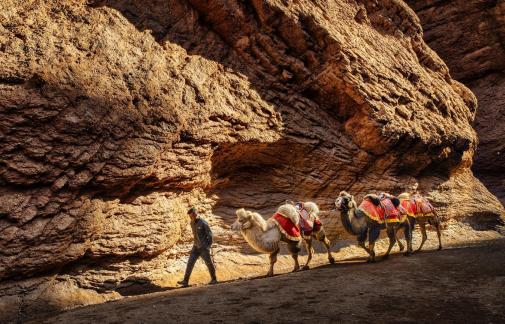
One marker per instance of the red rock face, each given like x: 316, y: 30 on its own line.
x: 470, y: 37
x: 118, y: 116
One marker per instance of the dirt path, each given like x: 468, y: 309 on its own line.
x: 457, y: 285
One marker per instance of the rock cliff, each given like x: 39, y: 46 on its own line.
x: 470, y: 37
x: 118, y: 115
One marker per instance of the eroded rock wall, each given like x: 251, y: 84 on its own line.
x: 118, y: 115
x: 470, y: 37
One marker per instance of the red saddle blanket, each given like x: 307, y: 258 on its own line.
x: 391, y: 212
x: 409, y: 206
x: 373, y: 212
x: 287, y: 227
x: 386, y: 211
x: 418, y: 206
x: 309, y: 223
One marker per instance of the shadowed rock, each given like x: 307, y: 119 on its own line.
x: 470, y: 37
x: 116, y: 117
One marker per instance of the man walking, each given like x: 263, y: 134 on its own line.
x: 201, y: 247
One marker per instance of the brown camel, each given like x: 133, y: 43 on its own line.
x: 312, y: 228
x: 421, y: 211
x: 362, y: 221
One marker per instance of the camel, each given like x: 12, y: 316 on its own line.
x: 358, y: 222
x: 316, y: 231
x: 265, y: 236
x: 419, y: 210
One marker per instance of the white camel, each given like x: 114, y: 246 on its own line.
x: 313, y: 230
x: 265, y: 235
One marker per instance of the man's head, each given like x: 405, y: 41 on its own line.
x: 192, y: 213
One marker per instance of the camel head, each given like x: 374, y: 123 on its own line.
x: 344, y: 201
x: 243, y: 220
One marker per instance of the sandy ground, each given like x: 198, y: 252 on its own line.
x: 233, y: 264
x: 459, y: 284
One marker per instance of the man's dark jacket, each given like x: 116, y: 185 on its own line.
x: 201, y: 233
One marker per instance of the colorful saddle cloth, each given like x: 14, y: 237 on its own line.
x: 418, y: 206
x: 373, y: 212
x: 287, y: 227
x: 409, y: 206
x: 423, y: 207
x: 309, y: 223
x: 391, y: 212
x: 385, y: 212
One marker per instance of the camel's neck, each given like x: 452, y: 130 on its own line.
x: 350, y: 220
x: 259, y: 223
x: 252, y: 233
x: 261, y: 237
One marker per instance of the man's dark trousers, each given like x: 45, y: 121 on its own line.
x: 194, y: 255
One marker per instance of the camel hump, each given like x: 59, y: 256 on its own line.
x: 289, y: 211
x: 395, y: 201
x: 373, y: 198
x: 241, y: 212
x: 311, y: 208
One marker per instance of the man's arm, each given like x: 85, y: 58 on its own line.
x: 207, y: 233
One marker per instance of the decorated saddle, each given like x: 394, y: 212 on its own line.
x: 409, y: 206
x: 309, y: 223
x: 417, y: 206
x: 381, y: 209
x: 372, y: 210
x: 391, y: 212
x: 287, y: 227
x: 423, y: 206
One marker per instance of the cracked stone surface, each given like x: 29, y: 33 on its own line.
x: 470, y: 37
x: 116, y: 116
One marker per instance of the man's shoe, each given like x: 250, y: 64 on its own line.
x: 213, y: 282
x: 183, y: 283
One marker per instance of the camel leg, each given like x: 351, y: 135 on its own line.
x: 373, y: 235
x: 412, y: 223
x: 400, y: 245
x: 439, y: 234
x: 297, y: 265
x: 361, y: 242
x: 321, y: 237
x: 326, y: 244
x: 391, y: 231
x: 308, y: 245
x: 422, y: 227
x: 371, y: 251
x: 407, y: 232
x: 294, y: 248
x: 273, y: 259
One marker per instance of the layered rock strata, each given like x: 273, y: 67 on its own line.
x: 470, y: 37
x: 116, y: 116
